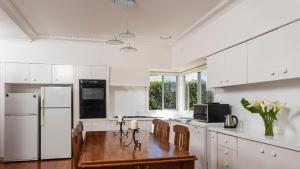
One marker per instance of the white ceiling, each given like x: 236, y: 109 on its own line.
x: 8, y: 29
x: 101, y: 19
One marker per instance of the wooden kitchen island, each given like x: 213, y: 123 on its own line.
x: 103, y: 150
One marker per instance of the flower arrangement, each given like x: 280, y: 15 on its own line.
x: 267, y: 111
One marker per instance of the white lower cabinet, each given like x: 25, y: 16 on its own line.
x: 198, y: 145
x: 252, y: 154
x: 227, y: 152
x: 212, y: 147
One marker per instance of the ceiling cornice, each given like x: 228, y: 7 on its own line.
x: 11, y: 10
x: 210, y: 13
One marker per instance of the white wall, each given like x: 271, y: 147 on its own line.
x: 285, y: 91
x: 237, y: 22
x: 128, y: 101
x: 84, y: 53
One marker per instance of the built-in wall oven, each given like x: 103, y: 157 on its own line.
x: 92, y: 94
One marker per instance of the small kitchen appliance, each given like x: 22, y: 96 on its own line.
x: 231, y: 121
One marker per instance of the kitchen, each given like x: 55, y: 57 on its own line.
x: 242, y: 49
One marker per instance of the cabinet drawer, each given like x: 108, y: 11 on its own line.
x: 227, y: 158
x: 227, y: 141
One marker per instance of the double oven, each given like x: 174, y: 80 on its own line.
x: 92, y: 98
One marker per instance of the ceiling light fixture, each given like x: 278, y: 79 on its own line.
x: 114, y: 41
x: 126, y: 3
x: 129, y: 48
x: 127, y: 35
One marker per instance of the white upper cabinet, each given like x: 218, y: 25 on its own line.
x: 62, y: 74
x: 40, y: 73
x: 129, y: 76
x: 82, y: 72
x: 99, y: 72
x: 2, y: 70
x: 16, y: 73
x: 275, y: 55
x: 228, y: 67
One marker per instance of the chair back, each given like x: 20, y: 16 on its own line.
x: 161, y: 130
x: 182, y: 137
x: 76, y: 145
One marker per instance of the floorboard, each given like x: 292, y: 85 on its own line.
x: 48, y: 164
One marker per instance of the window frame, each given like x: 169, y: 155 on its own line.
x: 163, y: 74
x: 199, y: 87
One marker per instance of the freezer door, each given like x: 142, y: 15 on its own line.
x: 21, y: 138
x: 56, y: 96
x: 21, y: 104
x: 56, y: 133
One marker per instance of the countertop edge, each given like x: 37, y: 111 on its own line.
x: 262, y: 139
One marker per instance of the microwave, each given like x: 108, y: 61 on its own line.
x: 211, y: 112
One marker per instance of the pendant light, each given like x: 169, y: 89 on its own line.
x: 114, y: 41
x: 129, y: 48
x: 127, y: 34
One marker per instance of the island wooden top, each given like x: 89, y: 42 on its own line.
x: 102, y: 148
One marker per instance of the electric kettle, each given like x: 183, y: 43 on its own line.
x: 231, y: 121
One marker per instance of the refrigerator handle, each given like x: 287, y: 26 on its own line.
x: 42, y: 107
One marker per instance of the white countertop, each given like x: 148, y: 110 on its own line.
x: 280, y: 140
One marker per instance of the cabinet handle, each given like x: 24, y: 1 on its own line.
x: 147, y: 167
x: 226, y: 152
x: 285, y: 71
x: 272, y: 73
x: 274, y: 154
x: 226, y: 141
x: 262, y: 150
x: 226, y: 164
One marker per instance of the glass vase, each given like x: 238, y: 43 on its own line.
x: 269, y: 128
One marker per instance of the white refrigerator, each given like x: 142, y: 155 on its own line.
x: 56, y: 117
x: 21, y: 127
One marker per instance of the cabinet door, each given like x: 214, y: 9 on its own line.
x: 16, y: 73
x: 235, y: 65
x: 2, y: 70
x: 283, y: 158
x: 2, y: 98
x: 40, y: 73
x: 62, y: 74
x: 99, y: 72
x: 275, y: 55
x: 215, y: 70
x: 82, y: 72
x: 198, y: 145
x: 253, y: 155
x: 212, y: 150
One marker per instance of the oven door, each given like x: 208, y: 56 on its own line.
x: 201, y: 112
x: 92, y: 99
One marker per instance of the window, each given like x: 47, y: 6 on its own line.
x: 163, y: 92
x: 195, y: 89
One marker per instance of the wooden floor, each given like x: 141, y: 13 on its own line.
x: 49, y: 164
